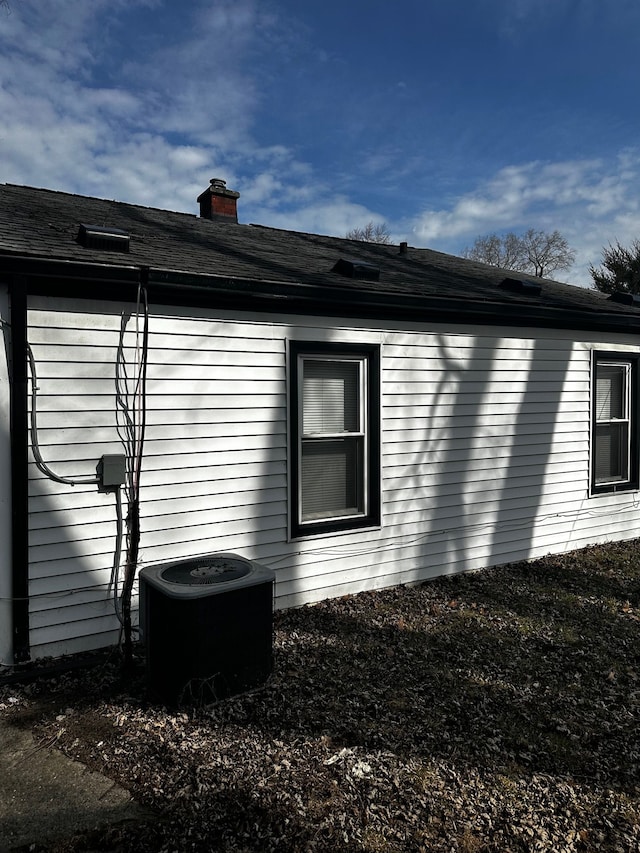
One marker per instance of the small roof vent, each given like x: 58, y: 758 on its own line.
x: 103, y: 239
x: 625, y: 298
x: 518, y: 285
x: 357, y: 269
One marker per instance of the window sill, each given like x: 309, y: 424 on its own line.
x: 623, y: 488
x: 315, y: 533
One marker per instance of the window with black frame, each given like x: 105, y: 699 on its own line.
x: 614, y: 423
x: 335, y: 429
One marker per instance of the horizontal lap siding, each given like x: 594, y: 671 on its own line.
x: 233, y: 374
x: 486, y: 423
x: 485, y: 457
x: 214, y: 472
x: 72, y: 528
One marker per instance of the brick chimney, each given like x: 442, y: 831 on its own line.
x: 219, y: 203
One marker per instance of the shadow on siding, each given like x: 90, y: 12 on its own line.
x: 473, y: 520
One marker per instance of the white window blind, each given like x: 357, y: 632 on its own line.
x: 331, y: 397
x: 330, y: 479
x: 610, y: 392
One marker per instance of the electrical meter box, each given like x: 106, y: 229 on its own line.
x: 113, y: 469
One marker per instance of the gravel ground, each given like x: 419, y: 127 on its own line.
x: 495, y: 711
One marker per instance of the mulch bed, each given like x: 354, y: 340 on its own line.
x: 494, y: 711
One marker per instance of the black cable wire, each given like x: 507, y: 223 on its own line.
x: 35, y: 447
x: 135, y: 418
x: 115, y: 572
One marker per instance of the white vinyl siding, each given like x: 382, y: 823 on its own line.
x: 485, y: 454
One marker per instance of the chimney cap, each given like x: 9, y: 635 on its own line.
x: 217, y: 202
x: 218, y: 187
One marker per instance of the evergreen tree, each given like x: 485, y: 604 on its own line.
x: 620, y: 269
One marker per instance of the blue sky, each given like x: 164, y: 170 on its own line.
x: 446, y: 119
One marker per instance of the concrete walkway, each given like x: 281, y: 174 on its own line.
x: 46, y: 796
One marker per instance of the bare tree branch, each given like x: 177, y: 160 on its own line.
x: 370, y: 233
x: 534, y: 252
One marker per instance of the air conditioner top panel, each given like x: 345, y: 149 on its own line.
x: 212, y: 574
x: 218, y: 568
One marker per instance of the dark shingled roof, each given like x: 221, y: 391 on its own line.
x: 44, y: 224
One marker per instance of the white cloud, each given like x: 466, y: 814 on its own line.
x: 155, y: 128
x: 591, y: 202
x: 334, y: 217
x: 520, y: 19
x: 115, y: 101
x: 82, y: 113
x: 178, y: 115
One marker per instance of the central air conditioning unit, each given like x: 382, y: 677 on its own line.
x: 207, y: 625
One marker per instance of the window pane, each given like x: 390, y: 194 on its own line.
x: 331, y: 396
x: 610, y: 392
x: 611, y: 453
x: 332, y: 478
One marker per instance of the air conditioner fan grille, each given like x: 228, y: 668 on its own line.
x: 206, y: 571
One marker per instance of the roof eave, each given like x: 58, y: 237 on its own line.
x: 181, y: 287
